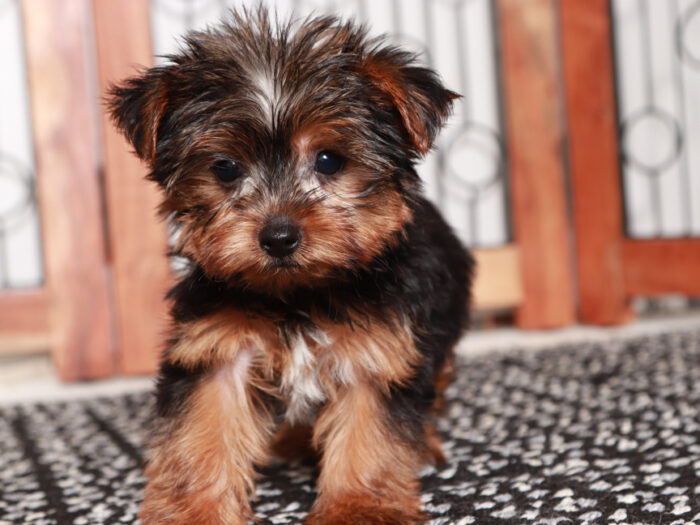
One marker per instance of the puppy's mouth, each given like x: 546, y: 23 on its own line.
x: 285, y: 263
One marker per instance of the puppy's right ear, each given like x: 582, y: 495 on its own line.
x: 137, y: 107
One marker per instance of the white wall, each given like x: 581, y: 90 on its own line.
x: 659, y: 102
x: 20, y: 255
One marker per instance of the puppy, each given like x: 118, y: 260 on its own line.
x: 323, y: 293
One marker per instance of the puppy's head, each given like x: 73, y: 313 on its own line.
x: 284, y: 152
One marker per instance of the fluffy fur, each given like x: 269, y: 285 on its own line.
x: 337, y: 350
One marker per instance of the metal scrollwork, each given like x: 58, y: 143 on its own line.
x: 476, y: 139
x: 670, y: 129
x: 18, y: 190
x: 683, y: 31
x: 654, y: 139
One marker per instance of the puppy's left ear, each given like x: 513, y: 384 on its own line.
x: 137, y: 107
x: 416, y: 93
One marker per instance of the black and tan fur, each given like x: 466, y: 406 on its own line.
x: 338, y: 349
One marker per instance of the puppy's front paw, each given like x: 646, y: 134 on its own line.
x: 365, y: 511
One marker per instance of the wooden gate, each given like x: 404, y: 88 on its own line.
x: 570, y: 259
x: 612, y: 268
x: 72, y: 311
x: 101, y: 309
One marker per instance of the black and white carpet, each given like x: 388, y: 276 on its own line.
x: 583, y: 434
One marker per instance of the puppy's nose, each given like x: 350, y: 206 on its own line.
x: 280, y: 237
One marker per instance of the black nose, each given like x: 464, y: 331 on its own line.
x: 280, y: 237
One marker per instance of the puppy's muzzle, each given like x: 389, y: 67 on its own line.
x: 280, y: 237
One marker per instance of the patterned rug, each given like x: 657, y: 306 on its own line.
x: 586, y: 433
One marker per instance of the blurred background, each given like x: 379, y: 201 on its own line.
x: 571, y: 165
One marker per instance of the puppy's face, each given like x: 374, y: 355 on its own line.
x: 285, y: 154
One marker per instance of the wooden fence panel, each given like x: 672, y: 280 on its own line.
x: 138, y: 240
x: 535, y: 136
x: 594, y: 161
x: 66, y: 137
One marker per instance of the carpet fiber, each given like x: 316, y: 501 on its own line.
x: 587, y: 433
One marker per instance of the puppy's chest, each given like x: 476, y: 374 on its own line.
x: 302, y: 383
x: 320, y: 360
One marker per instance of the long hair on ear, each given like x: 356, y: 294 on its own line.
x: 417, y: 93
x: 137, y: 106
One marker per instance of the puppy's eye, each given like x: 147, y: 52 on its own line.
x: 226, y: 171
x: 329, y: 163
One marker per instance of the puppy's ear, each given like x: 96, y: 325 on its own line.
x: 416, y: 92
x: 137, y: 106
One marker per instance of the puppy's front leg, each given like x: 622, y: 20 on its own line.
x: 368, y: 471
x: 200, y: 470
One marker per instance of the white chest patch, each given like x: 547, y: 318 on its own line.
x: 300, y: 384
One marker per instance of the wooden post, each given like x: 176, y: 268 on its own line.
x: 535, y: 137
x: 65, y: 139
x: 595, y: 170
x: 24, y: 312
x: 498, y: 284
x: 662, y: 266
x: 138, y: 241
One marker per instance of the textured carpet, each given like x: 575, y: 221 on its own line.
x: 588, y: 433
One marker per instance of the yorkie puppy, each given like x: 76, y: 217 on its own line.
x: 324, y: 293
